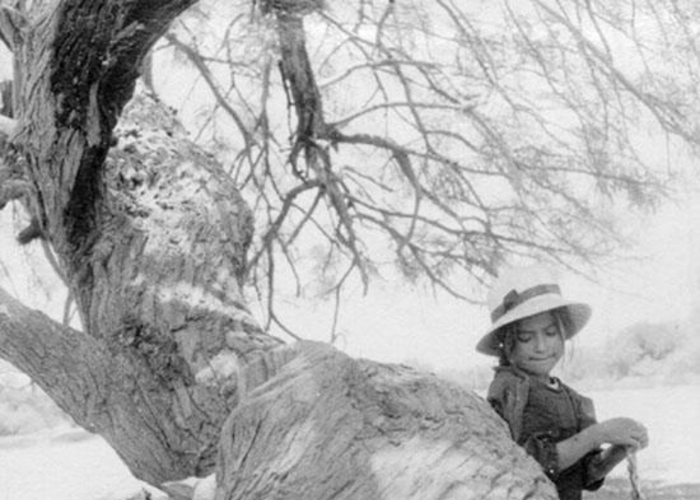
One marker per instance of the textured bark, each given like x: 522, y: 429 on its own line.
x: 100, y: 390
x: 325, y: 426
x: 166, y: 328
x: 151, y: 237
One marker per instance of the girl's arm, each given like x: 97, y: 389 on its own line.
x: 606, y: 461
x: 623, y: 432
x: 573, y: 449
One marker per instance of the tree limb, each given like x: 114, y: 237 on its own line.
x: 81, y: 375
x: 42, y: 348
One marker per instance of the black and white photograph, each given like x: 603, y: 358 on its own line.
x: 349, y: 250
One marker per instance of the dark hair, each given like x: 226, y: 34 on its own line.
x: 507, y: 334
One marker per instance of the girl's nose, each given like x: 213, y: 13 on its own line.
x: 539, y: 342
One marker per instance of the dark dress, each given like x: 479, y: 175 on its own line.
x: 539, y: 416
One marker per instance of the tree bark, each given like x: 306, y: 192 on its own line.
x: 158, y: 288
x: 326, y: 426
x: 151, y: 237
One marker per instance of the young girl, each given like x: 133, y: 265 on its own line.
x: 552, y: 422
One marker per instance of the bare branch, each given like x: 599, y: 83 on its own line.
x: 667, y: 117
x: 197, y: 60
x: 273, y: 231
x: 456, y: 143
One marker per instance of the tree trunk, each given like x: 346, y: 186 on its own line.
x: 329, y: 427
x: 151, y: 237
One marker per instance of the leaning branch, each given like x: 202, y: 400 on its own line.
x: 42, y: 348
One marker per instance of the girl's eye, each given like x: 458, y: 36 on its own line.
x: 551, y: 332
x: 524, y: 338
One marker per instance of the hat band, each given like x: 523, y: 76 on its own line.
x: 515, y: 298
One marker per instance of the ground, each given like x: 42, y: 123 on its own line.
x: 619, y: 489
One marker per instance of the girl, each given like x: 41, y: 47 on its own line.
x: 552, y: 422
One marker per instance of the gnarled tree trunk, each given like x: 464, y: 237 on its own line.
x: 171, y: 369
x: 327, y: 426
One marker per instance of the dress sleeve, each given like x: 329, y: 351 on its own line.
x: 498, y: 397
x: 586, y: 411
x: 542, y: 446
x: 507, y: 395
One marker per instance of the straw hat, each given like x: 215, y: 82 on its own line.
x: 526, y: 291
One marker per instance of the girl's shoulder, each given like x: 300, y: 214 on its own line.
x: 573, y: 393
x: 508, y: 394
x: 583, y: 403
x: 505, y: 378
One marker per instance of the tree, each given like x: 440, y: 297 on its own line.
x: 151, y: 233
x: 650, y: 344
x: 523, y: 134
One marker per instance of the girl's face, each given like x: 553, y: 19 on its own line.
x: 538, y: 345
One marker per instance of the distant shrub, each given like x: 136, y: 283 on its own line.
x: 642, y: 348
x: 644, y: 353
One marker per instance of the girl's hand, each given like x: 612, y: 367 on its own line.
x: 624, y: 432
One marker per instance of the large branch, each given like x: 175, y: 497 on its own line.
x: 105, y: 53
x: 86, y: 380
x: 43, y: 348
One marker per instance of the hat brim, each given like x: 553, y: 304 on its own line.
x: 579, y: 313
